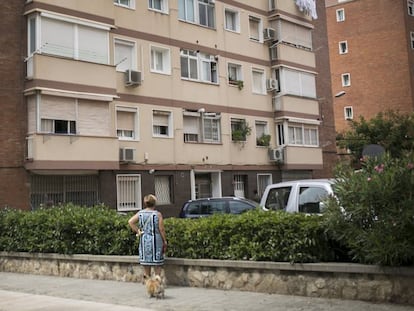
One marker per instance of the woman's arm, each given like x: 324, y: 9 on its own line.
x: 132, y: 223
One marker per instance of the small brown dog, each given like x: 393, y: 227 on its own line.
x: 155, y: 287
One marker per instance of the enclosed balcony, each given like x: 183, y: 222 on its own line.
x: 64, y: 74
x: 62, y: 152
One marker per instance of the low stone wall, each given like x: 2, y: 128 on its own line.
x: 328, y: 280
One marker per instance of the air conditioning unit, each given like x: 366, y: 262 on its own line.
x: 126, y: 154
x: 272, y: 85
x: 132, y: 78
x: 277, y: 154
x: 269, y: 34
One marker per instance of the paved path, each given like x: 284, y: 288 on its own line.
x: 24, y: 292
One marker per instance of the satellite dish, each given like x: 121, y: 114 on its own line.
x: 373, y: 150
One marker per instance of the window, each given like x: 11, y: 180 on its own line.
x: 410, y: 6
x: 68, y: 37
x: 211, y: 128
x: 58, y: 126
x: 263, y: 180
x: 158, y: 5
x: 239, y: 129
x: 128, y: 190
x: 280, y: 130
x: 349, y: 114
x: 231, y: 20
x: 160, y: 60
x: 293, y: 34
x: 234, y: 73
x: 310, y: 199
x: 346, y: 79
x: 127, y: 123
x: 201, y: 127
x: 412, y: 39
x: 296, y: 82
x: 258, y: 81
x: 161, y: 123
x: 340, y: 15
x: 262, y: 135
x: 198, y: 66
x: 255, y: 29
x: 343, y: 47
x: 239, y: 184
x: 49, y: 190
x: 301, y: 134
x: 278, y: 198
x: 163, y: 189
x: 125, y: 3
x: 124, y: 55
x: 197, y: 11
x: 32, y: 35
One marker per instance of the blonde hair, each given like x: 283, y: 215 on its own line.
x: 150, y: 200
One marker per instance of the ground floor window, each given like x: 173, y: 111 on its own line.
x: 128, y: 190
x: 49, y: 190
x: 163, y: 189
x: 262, y: 181
x: 239, y: 184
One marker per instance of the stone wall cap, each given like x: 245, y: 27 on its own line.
x: 328, y: 267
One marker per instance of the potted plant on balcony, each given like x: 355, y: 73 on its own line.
x: 239, y: 83
x: 240, y: 133
x: 263, y: 140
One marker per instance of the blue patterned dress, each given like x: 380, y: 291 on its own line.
x: 150, y: 243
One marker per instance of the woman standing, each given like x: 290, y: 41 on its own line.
x: 152, y: 243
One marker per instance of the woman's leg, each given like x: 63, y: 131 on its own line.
x: 157, y: 270
x: 147, y: 273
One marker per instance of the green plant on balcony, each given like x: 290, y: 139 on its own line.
x: 263, y: 140
x: 240, y: 131
x: 239, y: 83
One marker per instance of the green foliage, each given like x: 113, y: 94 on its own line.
x: 255, y: 235
x: 241, y: 131
x: 373, y: 214
x: 263, y: 140
x: 66, y: 229
x: 392, y: 130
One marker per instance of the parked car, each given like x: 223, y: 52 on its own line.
x: 209, y: 206
x: 303, y: 196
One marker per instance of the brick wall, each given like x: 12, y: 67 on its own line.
x: 378, y: 58
x: 13, y: 178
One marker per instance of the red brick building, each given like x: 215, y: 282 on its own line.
x: 14, y: 189
x: 371, y: 45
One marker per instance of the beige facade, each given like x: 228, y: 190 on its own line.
x: 143, y: 99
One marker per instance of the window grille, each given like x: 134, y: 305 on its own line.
x: 128, y: 192
x: 163, y: 189
x: 50, y: 190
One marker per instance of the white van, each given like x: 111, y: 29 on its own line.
x: 299, y: 196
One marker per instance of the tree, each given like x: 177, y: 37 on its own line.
x: 392, y: 130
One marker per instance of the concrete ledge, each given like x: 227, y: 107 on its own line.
x: 328, y: 280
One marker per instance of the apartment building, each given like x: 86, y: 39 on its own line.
x: 371, y: 44
x: 114, y: 99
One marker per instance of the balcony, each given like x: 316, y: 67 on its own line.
x: 286, y: 53
x: 295, y: 104
x: 51, y: 151
x: 287, y: 6
x: 298, y: 157
x: 64, y: 74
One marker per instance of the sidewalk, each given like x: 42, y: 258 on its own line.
x: 24, y: 292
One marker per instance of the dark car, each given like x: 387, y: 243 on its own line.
x: 209, y: 206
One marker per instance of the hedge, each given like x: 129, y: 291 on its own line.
x: 256, y: 235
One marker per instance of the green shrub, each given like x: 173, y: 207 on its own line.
x: 67, y: 229
x: 373, y: 214
x: 257, y: 235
